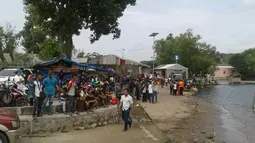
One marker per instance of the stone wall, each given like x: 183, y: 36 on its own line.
x: 28, y: 110
x: 65, y: 123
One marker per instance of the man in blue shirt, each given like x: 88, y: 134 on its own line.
x: 49, y: 86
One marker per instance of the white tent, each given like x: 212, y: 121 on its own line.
x: 173, y: 69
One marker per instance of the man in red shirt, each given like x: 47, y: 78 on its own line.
x: 71, y: 88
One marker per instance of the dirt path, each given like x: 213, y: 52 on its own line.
x: 138, y: 133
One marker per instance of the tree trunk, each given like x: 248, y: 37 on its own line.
x: 65, y: 44
x: 69, y: 47
x: 61, y: 42
x: 1, y: 54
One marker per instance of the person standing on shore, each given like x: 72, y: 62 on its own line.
x: 175, y: 88
x: 150, y: 90
x: 155, y: 92
x: 72, y: 86
x: 181, y: 85
x: 50, y: 85
x: 126, y: 105
x: 171, y: 87
x: 137, y: 90
x: 144, y: 99
x: 38, y: 95
x: 166, y: 81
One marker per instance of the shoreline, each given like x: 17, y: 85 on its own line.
x: 186, y: 119
x: 202, y: 125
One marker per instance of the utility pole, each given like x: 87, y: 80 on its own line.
x: 122, y: 52
x: 153, y: 48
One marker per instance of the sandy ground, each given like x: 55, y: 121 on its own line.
x: 138, y: 133
x: 186, y: 119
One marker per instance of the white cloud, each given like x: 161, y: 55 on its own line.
x: 228, y: 24
x: 249, y: 2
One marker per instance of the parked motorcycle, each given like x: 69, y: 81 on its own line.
x: 19, y: 96
x: 11, y: 96
x: 5, y: 96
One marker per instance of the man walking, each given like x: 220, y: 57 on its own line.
x: 126, y: 105
x: 49, y: 85
x: 71, y: 94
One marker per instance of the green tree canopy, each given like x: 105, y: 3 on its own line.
x: 81, y: 55
x: 8, y: 41
x: 65, y: 18
x: 35, y: 37
x: 150, y: 63
x: 196, y: 55
x: 244, y: 62
x: 48, y: 50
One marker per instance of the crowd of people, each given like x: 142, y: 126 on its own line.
x: 77, y: 93
x: 82, y: 92
x: 146, y: 88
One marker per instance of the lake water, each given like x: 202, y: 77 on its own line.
x: 236, y: 103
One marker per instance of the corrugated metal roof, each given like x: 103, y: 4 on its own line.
x: 80, y: 60
x: 172, y: 66
x: 128, y: 61
x: 225, y: 67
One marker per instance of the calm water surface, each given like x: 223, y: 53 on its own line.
x: 236, y: 103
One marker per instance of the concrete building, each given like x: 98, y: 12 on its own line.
x: 120, y: 65
x: 223, y: 72
x: 170, y: 69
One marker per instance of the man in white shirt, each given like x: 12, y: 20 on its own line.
x: 151, y: 95
x: 37, y: 95
x: 126, y: 105
x: 19, y: 80
x: 175, y: 88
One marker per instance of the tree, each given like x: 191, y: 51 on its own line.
x: 93, y: 55
x: 63, y: 19
x: 8, y: 41
x: 244, y: 62
x: 34, y: 35
x: 48, y: 50
x: 80, y: 54
x: 150, y: 63
x: 196, y: 55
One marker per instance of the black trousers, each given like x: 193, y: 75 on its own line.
x: 171, y: 91
x: 126, y: 118
x: 144, y: 97
x: 37, y: 106
x: 72, y: 103
x: 174, y: 92
x: 181, y: 90
x: 31, y: 101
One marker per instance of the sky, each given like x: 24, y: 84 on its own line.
x: 227, y: 24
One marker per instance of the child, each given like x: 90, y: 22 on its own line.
x: 62, y: 101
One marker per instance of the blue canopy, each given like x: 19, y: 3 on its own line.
x: 68, y: 63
